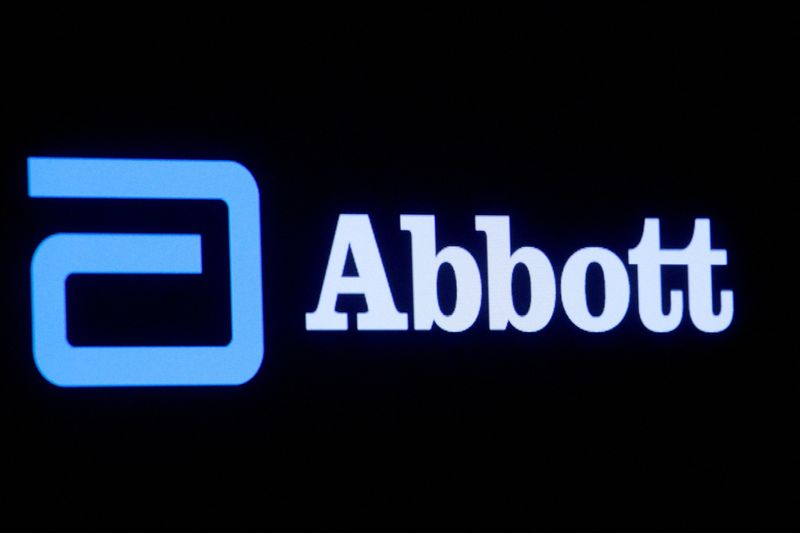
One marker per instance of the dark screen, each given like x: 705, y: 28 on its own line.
x: 576, y: 136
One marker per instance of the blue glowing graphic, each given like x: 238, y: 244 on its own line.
x: 62, y: 254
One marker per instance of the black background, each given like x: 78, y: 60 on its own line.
x: 576, y: 126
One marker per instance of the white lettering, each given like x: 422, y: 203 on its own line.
x: 354, y: 233
x: 501, y: 264
x: 425, y: 265
x: 573, y: 289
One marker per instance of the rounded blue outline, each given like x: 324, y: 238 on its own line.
x: 63, y: 254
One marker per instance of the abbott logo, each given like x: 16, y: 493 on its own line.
x: 354, y: 236
x: 62, y: 254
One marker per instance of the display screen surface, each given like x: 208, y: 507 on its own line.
x: 388, y: 265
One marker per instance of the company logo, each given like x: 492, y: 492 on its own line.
x: 62, y: 254
x: 354, y: 235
